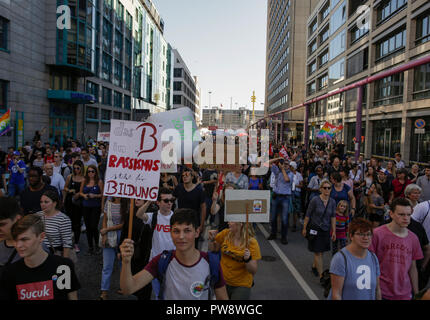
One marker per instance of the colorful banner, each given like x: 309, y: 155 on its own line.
x: 134, y: 160
x: 329, y: 131
x: 5, y: 123
x: 283, y: 153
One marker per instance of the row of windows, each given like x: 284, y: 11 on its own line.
x: 281, y: 87
x: 280, y: 61
x: 336, y: 21
x: 388, y: 8
x: 282, y: 45
x: 284, y: 21
x: 278, y: 103
x: 389, y: 90
x: 279, y: 76
x: 93, y: 89
x: 93, y: 114
x: 278, y: 18
x: 391, y: 44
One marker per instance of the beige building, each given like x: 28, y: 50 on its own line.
x: 342, y: 51
x: 229, y: 119
x: 285, y: 62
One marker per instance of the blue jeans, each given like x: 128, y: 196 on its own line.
x: 284, y: 201
x: 109, y: 255
x: 15, y: 189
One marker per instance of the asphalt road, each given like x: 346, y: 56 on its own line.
x: 284, y: 273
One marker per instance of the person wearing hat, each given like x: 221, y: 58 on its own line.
x: 296, y: 193
x: 16, y: 168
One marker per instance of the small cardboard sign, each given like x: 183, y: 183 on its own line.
x: 257, y: 201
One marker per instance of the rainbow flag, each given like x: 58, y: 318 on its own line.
x: 329, y: 131
x: 5, y: 123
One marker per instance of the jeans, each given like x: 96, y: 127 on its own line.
x: 15, y: 189
x: 284, y: 201
x: 109, y: 255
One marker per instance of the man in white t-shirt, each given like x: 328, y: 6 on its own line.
x: 161, y: 238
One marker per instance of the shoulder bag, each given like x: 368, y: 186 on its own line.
x: 312, y: 228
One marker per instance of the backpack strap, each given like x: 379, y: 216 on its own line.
x: 163, y: 263
x: 344, y: 257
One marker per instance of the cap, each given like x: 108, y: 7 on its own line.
x: 16, y: 153
x: 293, y: 164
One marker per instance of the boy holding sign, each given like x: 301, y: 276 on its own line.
x: 190, y: 264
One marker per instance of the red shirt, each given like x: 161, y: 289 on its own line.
x: 49, y: 159
x: 399, y: 189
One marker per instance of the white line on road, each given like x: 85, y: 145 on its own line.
x: 290, y: 266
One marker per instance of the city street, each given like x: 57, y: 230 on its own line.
x: 284, y: 273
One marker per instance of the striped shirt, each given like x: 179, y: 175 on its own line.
x: 58, y: 230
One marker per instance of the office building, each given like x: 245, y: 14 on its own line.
x: 229, y: 119
x: 285, y: 62
x: 342, y: 50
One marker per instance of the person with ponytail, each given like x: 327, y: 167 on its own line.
x: 239, y: 256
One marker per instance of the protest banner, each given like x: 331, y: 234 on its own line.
x: 238, y: 202
x: 134, y: 162
x: 283, y: 153
x: 103, y: 136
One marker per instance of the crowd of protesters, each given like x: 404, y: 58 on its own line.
x: 371, y: 215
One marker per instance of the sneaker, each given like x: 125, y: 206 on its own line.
x: 284, y: 241
x: 272, y: 237
x: 77, y: 250
x: 315, y: 271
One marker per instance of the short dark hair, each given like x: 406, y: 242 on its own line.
x: 33, y: 221
x: 36, y: 169
x: 9, y: 208
x: 184, y: 216
x: 54, y: 196
x: 163, y: 191
x: 75, y: 155
x: 336, y: 176
x: 399, y: 202
x: 85, y: 149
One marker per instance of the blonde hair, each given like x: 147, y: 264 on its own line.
x: 346, y: 204
x: 251, y: 234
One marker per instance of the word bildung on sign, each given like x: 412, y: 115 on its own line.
x: 134, y: 161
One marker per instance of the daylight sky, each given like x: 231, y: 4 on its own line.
x: 223, y: 43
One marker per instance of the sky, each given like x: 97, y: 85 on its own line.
x: 223, y: 43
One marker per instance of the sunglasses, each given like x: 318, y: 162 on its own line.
x: 326, y: 188
x: 91, y: 171
x: 77, y: 168
x: 168, y: 200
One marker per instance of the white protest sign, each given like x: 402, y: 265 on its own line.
x: 258, y: 202
x: 134, y: 160
x: 103, y: 136
x: 168, y: 167
x: 182, y: 122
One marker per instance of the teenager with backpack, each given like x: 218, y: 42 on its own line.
x: 185, y: 273
x: 354, y: 270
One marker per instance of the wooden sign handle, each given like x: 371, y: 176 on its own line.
x: 130, y: 222
x: 246, y: 227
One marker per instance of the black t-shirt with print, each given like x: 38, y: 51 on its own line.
x: 52, y: 280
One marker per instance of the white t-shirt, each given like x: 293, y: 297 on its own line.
x: 296, y: 181
x: 161, y: 239
x: 421, y: 214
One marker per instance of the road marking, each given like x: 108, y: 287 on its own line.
x: 289, y: 265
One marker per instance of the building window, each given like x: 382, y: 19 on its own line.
x: 106, y: 115
x: 394, y: 43
x: 324, y: 34
x: 177, y: 73
x: 107, y: 36
x: 4, y: 26
x: 127, y: 102
x: 117, y: 79
x: 3, y: 94
x: 177, y: 99
x: 325, y: 11
x: 312, y: 47
x: 127, y: 78
x: 107, y: 96
x: 389, y: 90
x: 177, y: 86
x: 128, y: 52
x: 358, y: 33
x: 337, y: 45
x: 336, y: 72
x: 93, y: 89
x: 338, y: 18
x: 323, y: 82
x: 323, y: 58
x: 118, y: 45
x: 313, y: 27
x: 422, y: 82
x: 107, y: 67
x: 117, y: 99
x: 423, y: 28
x: 311, y: 88
x: 388, y: 8
x: 312, y: 67
x: 386, y: 137
x: 358, y: 63
x: 117, y: 115
x: 126, y: 116
x: 92, y: 113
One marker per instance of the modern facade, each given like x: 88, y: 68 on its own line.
x: 71, y: 80
x: 229, y: 119
x: 285, y: 62
x: 184, y: 86
x: 342, y: 51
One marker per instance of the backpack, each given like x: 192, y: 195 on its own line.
x: 210, y: 281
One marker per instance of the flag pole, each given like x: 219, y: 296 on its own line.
x: 246, y: 227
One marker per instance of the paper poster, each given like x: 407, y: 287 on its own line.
x: 134, y: 160
x: 237, y: 202
x: 103, y: 136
